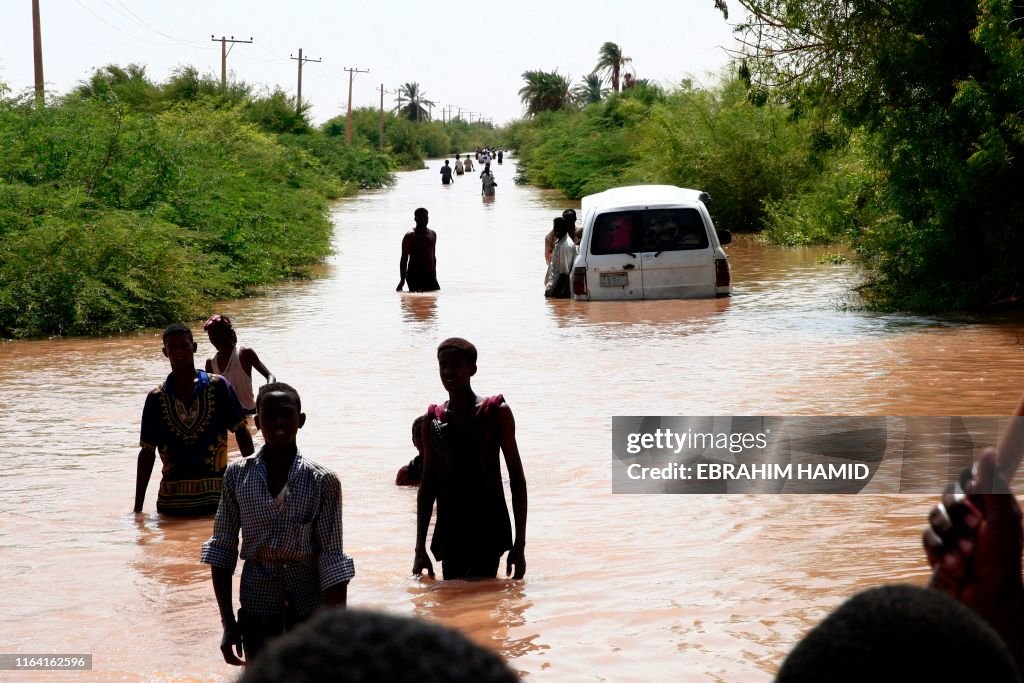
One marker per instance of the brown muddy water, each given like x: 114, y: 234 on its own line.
x: 618, y: 588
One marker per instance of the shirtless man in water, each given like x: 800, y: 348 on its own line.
x: 418, y: 265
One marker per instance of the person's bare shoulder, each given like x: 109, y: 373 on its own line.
x: 247, y: 355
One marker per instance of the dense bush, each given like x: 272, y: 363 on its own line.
x: 715, y: 140
x: 128, y: 204
x: 411, y: 142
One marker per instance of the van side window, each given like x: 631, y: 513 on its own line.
x: 615, y: 233
x: 672, y: 230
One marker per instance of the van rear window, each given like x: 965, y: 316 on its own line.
x: 620, y: 232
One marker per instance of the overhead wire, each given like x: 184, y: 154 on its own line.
x: 135, y: 18
x: 132, y: 35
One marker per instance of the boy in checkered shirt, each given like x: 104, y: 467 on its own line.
x: 288, y: 509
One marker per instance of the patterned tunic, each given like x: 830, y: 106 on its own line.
x: 192, y: 442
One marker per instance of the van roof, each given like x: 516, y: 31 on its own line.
x: 641, y: 195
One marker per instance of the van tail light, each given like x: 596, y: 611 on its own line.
x: 722, y: 276
x: 579, y: 281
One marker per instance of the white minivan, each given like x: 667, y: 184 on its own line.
x: 650, y: 242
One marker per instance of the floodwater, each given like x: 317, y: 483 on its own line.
x: 618, y: 588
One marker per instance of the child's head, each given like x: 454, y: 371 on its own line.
x: 355, y: 645
x: 417, y: 433
x: 560, y: 227
x: 456, y: 362
x: 892, y: 633
x: 179, y: 347
x: 221, y: 332
x: 279, y: 413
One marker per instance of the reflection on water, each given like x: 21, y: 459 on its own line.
x: 418, y: 307
x: 619, y: 587
x: 492, y: 613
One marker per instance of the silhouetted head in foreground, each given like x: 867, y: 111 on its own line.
x: 364, y: 647
x: 899, y: 633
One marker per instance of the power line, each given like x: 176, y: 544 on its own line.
x: 135, y: 18
x: 130, y: 35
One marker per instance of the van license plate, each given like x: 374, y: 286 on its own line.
x: 614, y: 279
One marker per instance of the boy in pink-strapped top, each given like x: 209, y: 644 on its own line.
x: 462, y: 472
x: 234, y: 362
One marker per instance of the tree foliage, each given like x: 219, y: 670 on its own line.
x: 589, y: 90
x: 711, y: 139
x: 130, y: 204
x: 544, y: 91
x: 936, y: 89
x: 610, y: 62
x: 416, y: 107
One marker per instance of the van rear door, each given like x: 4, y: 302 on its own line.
x: 676, y: 254
x: 612, y: 258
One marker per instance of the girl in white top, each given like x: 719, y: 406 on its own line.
x: 234, y: 362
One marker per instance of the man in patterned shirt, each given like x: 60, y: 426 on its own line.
x: 288, y: 509
x: 187, y: 418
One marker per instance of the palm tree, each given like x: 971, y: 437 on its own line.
x: 590, y: 90
x: 609, y: 63
x: 416, y: 109
x: 544, y: 91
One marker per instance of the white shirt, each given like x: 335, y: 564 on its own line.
x: 562, y: 259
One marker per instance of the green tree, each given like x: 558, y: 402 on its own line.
x: 275, y: 112
x: 936, y: 86
x: 590, y: 90
x: 128, y: 84
x: 610, y: 61
x: 415, y: 110
x: 544, y: 91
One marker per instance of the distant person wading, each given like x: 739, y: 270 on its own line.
x: 487, y: 181
x: 418, y: 265
x: 446, y: 174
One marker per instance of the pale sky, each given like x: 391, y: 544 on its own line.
x: 470, y: 54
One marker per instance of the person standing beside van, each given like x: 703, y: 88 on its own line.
x: 549, y: 239
x: 557, y: 284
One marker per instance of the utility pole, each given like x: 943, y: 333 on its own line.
x: 430, y: 111
x: 224, y: 50
x: 348, y: 121
x: 381, y: 130
x: 398, y: 109
x: 37, y: 53
x: 301, y: 59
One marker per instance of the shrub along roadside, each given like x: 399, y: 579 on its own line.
x: 133, y: 205
x: 744, y: 156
